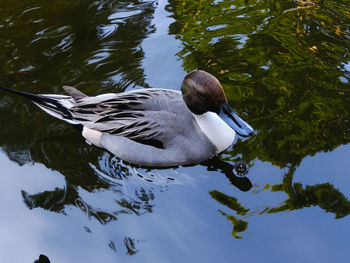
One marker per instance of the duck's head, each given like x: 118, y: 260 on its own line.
x: 202, y: 92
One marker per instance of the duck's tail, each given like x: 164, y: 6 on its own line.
x: 55, y: 105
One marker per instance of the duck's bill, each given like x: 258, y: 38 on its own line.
x: 234, y: 121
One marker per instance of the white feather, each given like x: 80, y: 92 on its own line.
x: 217, y: 131
x: 92, y: 136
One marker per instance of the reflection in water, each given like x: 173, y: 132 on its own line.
x: 238, y: 180
x: 42, y: 259
x: 133, y: 188
x: 281, y: 63
x: 232, y: 203
x: 323, y: 195
x: 49, y: 200
x: 128, y: 200
x: 130, y: 245
x: 284, y: 64
x: 284, y: 76
x: 89, y: 44
x: 134, y: 193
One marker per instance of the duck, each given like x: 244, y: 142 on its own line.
x: 152, y: 127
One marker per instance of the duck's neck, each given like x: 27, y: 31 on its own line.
x: 217, y: 131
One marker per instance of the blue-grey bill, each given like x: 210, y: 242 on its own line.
x: 234, y: 121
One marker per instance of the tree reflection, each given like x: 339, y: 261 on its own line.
x: 292, y: 95
x: 90, y: 44
x: 283, y: 64
x: 94, y: 45
x: 138, y: 201
x: 239, y: 225
x: 324, y: 196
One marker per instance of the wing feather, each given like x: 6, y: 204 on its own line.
x: 139, y: 115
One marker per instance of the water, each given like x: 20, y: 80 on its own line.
x: 285, y: 68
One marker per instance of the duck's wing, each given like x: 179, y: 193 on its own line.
x: 145, y: 116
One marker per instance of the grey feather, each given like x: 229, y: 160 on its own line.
x: 138, y: 115
x: 74, y: 93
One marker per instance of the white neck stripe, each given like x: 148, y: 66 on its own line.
x: 217, y: 131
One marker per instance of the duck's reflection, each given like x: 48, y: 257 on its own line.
x: 133, y: 188
x: 236, y: 173
x: 119, y: 189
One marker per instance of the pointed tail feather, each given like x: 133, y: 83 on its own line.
x: 55, y: 105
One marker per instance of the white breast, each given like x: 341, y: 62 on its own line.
x: 217, y: 131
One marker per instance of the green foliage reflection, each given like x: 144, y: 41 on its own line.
x: 281, y: 62
x: 285, y: 68
x: 323, y: 195
x: 232, y: 202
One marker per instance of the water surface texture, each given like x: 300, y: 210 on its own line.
x: 281, y: 195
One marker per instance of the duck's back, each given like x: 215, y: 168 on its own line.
x: 147, y: 127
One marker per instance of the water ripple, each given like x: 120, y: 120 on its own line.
x: 104, y: 31
x: 121, y: 16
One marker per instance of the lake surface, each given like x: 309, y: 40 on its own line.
x: 285, y: 68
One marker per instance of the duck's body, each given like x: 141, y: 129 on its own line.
x: 150, y: 127
x: 163, y: 131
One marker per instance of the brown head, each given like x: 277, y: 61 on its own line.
x: 202, y: 92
